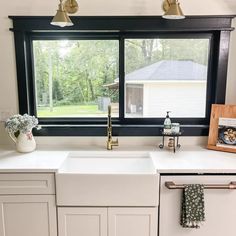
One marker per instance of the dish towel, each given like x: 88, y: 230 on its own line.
x: 193, y: 207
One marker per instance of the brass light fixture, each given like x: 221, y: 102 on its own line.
x: 61, y: 18
x: 172, y: 10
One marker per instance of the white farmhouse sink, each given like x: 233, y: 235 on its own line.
x: 108, y: 163
x: 107, y: 178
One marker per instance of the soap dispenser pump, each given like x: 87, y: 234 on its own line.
x: 167, y: 124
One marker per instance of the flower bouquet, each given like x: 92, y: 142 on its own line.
x: 19, y: 128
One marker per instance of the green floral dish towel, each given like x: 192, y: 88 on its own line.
x: 193, y: 208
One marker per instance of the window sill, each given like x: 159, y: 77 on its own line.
x: 118, y: 130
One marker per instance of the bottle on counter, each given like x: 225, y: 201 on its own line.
x: 167, y: 124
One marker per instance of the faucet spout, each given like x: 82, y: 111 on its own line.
x: 110, y: 142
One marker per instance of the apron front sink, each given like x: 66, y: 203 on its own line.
x: 105, y: 178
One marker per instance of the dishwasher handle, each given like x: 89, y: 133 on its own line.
x: 231, y: 185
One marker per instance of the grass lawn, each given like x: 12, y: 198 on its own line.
x: 71, y: 111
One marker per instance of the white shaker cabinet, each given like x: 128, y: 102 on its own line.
x: 111, y: 221
x: 28, y: 215
x: 27, y: 205
x: 132, y: 221
x: 220, y: 207
x: 82, y: 221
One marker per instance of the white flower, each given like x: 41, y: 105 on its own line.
x: 21, y: 123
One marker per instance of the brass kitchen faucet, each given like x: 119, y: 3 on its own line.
x: 110, y: 142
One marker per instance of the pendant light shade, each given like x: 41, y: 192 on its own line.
x: 173, y: 11
x: 61, y: 18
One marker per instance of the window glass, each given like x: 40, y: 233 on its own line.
x: 75, y: 78
x: 166, y: 75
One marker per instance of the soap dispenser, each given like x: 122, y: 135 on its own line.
x: 167, y: 124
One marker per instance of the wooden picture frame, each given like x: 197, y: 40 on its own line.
x: 217, y: 111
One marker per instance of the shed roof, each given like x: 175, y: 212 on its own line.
x: 169, y: 70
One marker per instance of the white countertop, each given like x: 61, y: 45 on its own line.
x: 194, y: 160
x: 189, y: 159
x: 37, y: 161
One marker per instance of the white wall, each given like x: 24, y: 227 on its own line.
x: 8, y: 89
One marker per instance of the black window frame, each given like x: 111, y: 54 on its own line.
x: 26, y: 29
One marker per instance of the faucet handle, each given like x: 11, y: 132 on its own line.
x: 116, y: 142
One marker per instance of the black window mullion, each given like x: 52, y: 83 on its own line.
x: 210, y: 78
x: 33, y: 100
x: 29, y: 75
x: 121, y: 79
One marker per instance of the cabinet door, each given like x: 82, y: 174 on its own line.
x: 28, y: 215
x: 132, y: 221
x: 220, y: 207
x: 82, y: 221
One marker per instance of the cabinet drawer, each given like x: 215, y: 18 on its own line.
x: 27, y: 184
